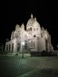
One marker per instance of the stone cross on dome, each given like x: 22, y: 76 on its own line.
x: 31, y: 15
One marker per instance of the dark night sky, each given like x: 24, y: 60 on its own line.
x: 15, y: 12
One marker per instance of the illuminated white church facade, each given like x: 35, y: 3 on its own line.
x: 32, y: 39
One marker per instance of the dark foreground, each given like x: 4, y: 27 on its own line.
x: 28, y: 67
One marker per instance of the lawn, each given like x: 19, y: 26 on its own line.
x: 14, y: 66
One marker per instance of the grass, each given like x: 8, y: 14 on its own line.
x: 14, y: 66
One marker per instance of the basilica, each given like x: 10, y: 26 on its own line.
x: 32, y: 39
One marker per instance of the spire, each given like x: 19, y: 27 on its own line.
x: 31, y: 15
x: 17, y: 27
x: 22, y: 26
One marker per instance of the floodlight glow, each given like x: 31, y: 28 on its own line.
x: 23, y: 43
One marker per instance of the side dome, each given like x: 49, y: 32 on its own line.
x: 30, y: 22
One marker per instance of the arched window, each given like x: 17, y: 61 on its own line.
x: 32, y: 44
x: 37, y: 29
x: 30, y: 28
x: 34, y: 35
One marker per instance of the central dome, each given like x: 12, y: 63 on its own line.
x: 30, y: 22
